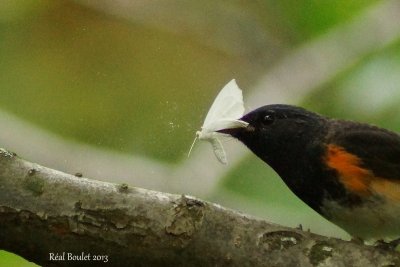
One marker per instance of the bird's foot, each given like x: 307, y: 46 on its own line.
x: 300, y: 227
x: 357, y: 240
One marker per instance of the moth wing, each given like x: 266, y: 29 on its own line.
x: 218, y: 150
x: 227, y: 105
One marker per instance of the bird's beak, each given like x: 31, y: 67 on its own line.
x: 230, y: 131
x: 237, y: 131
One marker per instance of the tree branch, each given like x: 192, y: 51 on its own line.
x: 47, y: 215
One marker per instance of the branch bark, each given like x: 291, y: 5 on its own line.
x: 47, y: 216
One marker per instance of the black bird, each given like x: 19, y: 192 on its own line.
x: 349, y: 172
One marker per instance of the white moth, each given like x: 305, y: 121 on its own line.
x: 224, y: 113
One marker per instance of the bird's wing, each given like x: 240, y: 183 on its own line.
x: 377, y: 149
x: 367, y: 159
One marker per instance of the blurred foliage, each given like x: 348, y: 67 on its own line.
x: 368, y: 91
x: 302, y: 20
x: 137, y: 88
x: 101, y: 80
x: 12, y: 260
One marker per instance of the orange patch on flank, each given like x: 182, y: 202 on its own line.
x: 351, y: 174
x: 386, y: 188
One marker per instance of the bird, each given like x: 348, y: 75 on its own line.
x: 347, y: 171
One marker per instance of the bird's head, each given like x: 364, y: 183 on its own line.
x: 275, y: 131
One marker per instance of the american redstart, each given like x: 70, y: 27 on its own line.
x: 348, y: 172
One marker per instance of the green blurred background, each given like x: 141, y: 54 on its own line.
x: 131, y: 81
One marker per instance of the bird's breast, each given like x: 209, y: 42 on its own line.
x: 373, y: 220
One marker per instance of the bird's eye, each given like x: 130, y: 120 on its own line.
x: 268, y: 119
